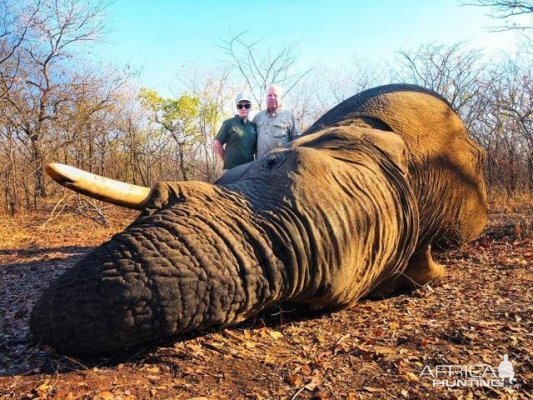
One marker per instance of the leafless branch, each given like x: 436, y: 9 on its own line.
x: 504, y: 10
x: 261, y: 67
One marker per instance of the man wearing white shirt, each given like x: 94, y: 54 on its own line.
x: 276, y: 127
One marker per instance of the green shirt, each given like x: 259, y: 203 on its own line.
x: 240, y: 139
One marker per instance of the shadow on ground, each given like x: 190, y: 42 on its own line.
x: 24, y: 282
x: 21, y: 285
x: 39, y: 251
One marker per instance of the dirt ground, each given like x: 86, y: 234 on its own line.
x: 373, y: 350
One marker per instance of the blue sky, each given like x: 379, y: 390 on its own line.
x: 159, y: 36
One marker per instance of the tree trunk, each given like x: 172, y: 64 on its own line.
x: 181, y: 159
x: 511, y: 183
x: 37, y: 161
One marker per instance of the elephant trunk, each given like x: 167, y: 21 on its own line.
x: 174, y: 270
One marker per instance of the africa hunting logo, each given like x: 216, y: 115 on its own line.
x: 477, y: 375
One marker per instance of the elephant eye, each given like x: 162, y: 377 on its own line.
x: 275, y: 160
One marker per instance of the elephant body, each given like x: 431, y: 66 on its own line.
x: 348, y: 210
x: 445, y: 166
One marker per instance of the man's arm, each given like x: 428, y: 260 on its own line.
x: 295, y: 129
x: 255, y: 122
x: 220, y: 139
x: 218, y: 147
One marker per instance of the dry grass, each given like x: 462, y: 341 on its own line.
x: 501, y: 202
x: 35, y: 229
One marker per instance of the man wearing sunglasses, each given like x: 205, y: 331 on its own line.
x: 276, y: 127
x: 238, y: 134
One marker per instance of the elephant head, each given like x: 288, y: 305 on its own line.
x: 343, y: 212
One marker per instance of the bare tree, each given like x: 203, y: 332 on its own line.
x: 261, y: 67
x: 453, y: 71
x: 15, y: 21
x: 138, y: 155
x: 505, y: 128
x: 335, y: 84
x: 44, y: 84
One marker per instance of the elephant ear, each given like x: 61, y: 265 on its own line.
x: 445, y: 166
x: 391, y: 144
x: 346, y: 143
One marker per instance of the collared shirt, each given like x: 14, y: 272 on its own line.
x: 274, y: 130
x: 240, y: 138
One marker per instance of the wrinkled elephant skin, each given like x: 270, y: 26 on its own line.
x: 348, y: 210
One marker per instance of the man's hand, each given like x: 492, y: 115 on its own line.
x: 219, y: 149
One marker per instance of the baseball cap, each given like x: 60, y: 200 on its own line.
x: 242, y: 97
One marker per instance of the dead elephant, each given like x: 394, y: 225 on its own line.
x: 351, y: 209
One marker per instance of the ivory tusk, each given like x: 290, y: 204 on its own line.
x: 96, y: 186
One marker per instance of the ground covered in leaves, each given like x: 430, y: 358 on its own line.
x: 375, y: 349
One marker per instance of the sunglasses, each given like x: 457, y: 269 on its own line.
x: 241, y: 106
